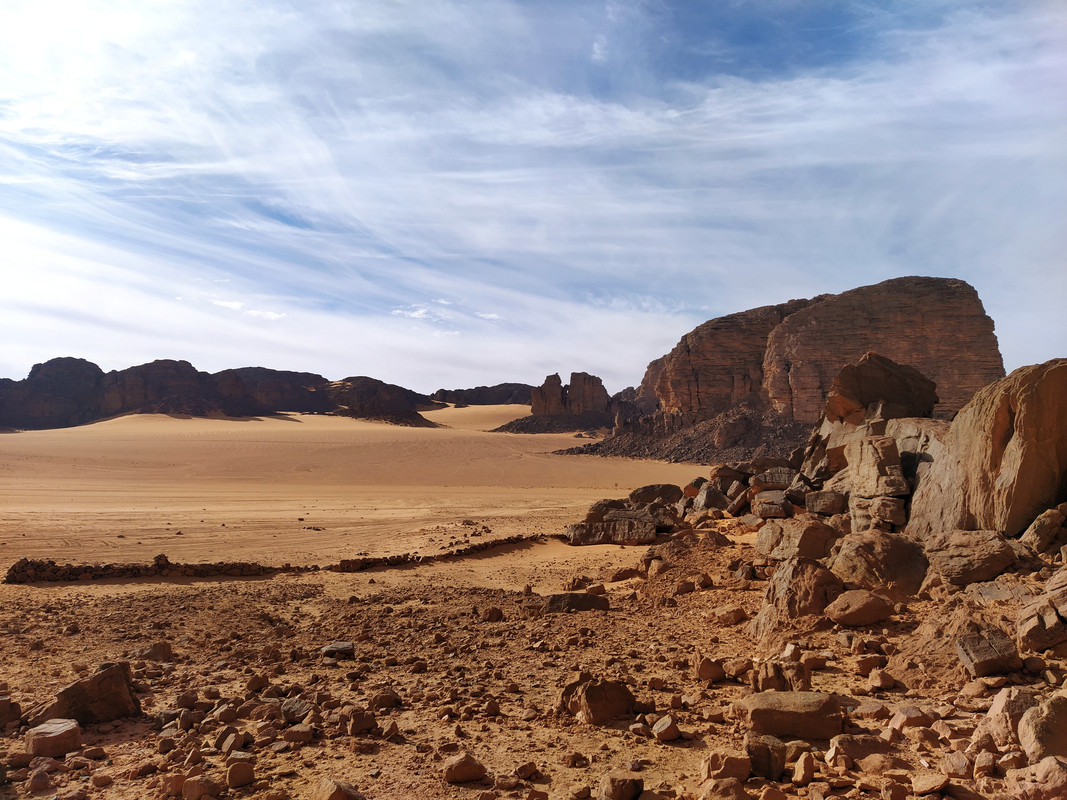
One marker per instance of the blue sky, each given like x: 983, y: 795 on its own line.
x: 445, y: 194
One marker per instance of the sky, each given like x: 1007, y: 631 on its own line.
x: 450, y: 193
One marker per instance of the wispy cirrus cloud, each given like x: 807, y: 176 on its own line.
x: 602, y: 176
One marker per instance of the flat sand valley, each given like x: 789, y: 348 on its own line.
x: 299, y: 489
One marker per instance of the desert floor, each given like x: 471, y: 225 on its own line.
x: 302, y: 489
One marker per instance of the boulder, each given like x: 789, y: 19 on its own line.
x: 964, y: 557
x: 880, y: 561
x: 575, y: 601
x: 766, y: 755
x: 462, y: 768
x: 623, y: 531
x: 1043, y: 729
x: 104, y: 696
x: 826, y: 502
x: 1008, y: 457
x: 666, y: 493
x: 771, y: 504
x: 329, y: 789
x: 874, y: 467
x: 10, y: 711
x: 884, y: 513
x: 859, y: 607
x: 1047, y: 531
x: 987, y: 651
x: 799, y: 587
x: 1042, y: 623
x: 599, y: 702
x: 804, y: 536
x: 54, y: 738
x: 620, y: 786
x: 799, y: 715
x: 878, y: 387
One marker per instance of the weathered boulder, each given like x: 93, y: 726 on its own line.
x: 620, y: 786
x: 884, y: 562
x: 799, y: 587
x: 666, y: 493
x: 329, y: 789
x: 593, y: 701
x: 878, y: 387
x: 771, y: 504
x: 1042, y: 623
x: 987, y: 651
x: 624, y: 531
x: 1043, y: 729
x: 859, y: 607
x: 575, y: 601
x: 963, y: 557
x: 103, y: 696
x: 53, y: 738
x: 1047, y: 531
x: 874, y: 467
x: 805, y: 536
x: 801, y: 715
x: 826, y: 503
x: 462, y: 768
x: 1007, y: 457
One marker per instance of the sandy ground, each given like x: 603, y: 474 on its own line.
x: 295, y: 488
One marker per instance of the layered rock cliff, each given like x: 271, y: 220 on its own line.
x: 936, y: 325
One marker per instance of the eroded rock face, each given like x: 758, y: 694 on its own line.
x: 583, y: 395
x: 935, y: 325
x: 255, y: 390
x: 1007, y: 458
x: 56, y: 394
x: 369, y: 398
x: 162, y: 386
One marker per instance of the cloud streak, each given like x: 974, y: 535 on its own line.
x: 582, y: 185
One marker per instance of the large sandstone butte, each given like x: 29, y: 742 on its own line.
x: 788, y: 355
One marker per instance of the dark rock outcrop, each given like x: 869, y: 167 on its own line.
x: 250, y: 391
x: 500, y: 394
x: 583, y: 404
x: 370, y: 398
x: 56, y: 394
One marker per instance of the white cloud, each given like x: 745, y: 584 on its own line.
x: 360, y: 170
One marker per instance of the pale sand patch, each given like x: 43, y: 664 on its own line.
x: 121, y: 490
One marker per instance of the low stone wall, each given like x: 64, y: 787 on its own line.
x: 27, y: 570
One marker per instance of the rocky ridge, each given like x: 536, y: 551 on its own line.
x: 71, y: 391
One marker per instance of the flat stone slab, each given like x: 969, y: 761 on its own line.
x: 801, y: 715
x: 54, y: 738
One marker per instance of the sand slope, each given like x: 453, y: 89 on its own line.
x: 121, y: 490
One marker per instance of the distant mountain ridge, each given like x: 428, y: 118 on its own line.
x: 65, y: 391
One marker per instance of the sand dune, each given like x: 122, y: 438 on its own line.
x: 213, y: 489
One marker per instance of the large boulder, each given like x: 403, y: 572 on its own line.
x: 964, y: 557
x: 798, y: 588
x: 103, y: 696
x: 1007, y: 457
x: 595, y: 701
x: 803, y: 715
x: 53, y: 738
x: 1043, y: 729
x: 878, y: 387
x: 884, y: 562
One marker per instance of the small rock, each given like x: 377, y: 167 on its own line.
x: 462, y: 768
x: 666, y: 729
x: 329, y: 789
x: 240, y: 773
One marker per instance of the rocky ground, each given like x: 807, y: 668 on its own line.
x: 384, y: 680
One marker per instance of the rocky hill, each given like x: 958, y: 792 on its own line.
x: 64, y: 392
x: 582, y: 404
x: 749, y: 377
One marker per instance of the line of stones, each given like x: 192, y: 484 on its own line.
x: 27, y: 570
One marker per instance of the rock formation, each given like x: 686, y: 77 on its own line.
x: 584, y: 394
x: 500, y: 394
x: 777, y: 364
x: 369, y: 398
x: 71, y: 391
x: 255, y: 390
